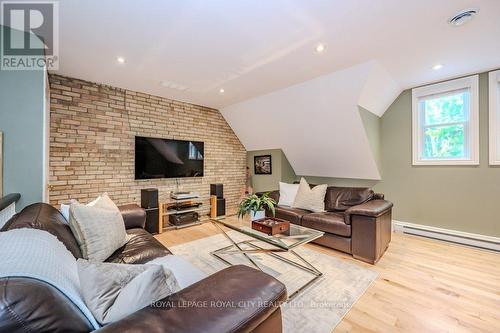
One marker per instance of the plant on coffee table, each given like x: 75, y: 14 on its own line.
x: 255, y: 205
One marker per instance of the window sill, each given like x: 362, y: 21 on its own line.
x: 445, y: 162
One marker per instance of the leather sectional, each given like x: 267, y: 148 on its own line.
x: 28, y: 305
x: 356, y: 221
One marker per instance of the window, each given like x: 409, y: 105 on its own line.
x: 446, y: 123
x: 495, y: 118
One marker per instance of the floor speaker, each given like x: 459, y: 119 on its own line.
x: 221, y: 207
x: 217, y: 190
x: 149, y: 198
x: 152, y: 220
x: 149, y: 201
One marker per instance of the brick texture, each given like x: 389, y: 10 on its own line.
x: 92, y: 130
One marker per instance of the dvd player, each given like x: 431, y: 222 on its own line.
x: 184, y: 195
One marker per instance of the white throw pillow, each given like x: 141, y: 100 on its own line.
x: 308, y: 198
x: 64, y: 209
x: 99, y: 229
x: 287, y: 194
x: 113, y: 291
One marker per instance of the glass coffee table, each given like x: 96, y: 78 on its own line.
x: 284, y: 242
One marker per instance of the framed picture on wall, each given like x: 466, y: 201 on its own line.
x: 262, y: 165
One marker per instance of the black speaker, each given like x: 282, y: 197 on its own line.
x: 217, y: 190
x: 152, y: 220
x: 221, y: 207
x: 149, y: 201
x: 149, y: 198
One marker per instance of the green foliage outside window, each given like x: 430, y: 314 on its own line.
x: 444, y: 126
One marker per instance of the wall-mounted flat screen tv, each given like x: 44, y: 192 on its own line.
x: 166, y: 158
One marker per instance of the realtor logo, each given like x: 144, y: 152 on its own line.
x: 30, y: 35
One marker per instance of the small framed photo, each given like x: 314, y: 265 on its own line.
x: 262, y: 165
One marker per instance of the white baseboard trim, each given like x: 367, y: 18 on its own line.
x: 455, y: 236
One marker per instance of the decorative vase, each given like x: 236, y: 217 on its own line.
x: 260, y: 214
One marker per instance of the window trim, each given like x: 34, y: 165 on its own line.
x: 494, y: 116
x: 471, y: 83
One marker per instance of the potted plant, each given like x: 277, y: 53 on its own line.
x: 255, y: 206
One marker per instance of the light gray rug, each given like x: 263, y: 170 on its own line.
x: 320, y: 307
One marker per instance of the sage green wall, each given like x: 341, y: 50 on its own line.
x: 22, y: 122
x: 464, y: 198
x: 281, y: 170
x: 372, y: 123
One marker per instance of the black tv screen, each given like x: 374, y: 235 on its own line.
x: 165, y: 158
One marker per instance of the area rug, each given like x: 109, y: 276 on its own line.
x: 318, y: 308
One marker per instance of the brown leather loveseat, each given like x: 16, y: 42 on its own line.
x: 29, y: 305
x: 356, y: 220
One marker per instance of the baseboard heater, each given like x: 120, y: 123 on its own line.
x: 454, y: 236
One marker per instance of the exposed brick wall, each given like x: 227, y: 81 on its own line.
x: 92, y: 129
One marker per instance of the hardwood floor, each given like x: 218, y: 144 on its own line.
x: 423, y: 286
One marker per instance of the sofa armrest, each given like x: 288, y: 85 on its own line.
x: 372, y: 208
x: 133, y: 216
x: 236, y: 299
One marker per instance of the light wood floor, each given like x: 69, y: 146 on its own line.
x: 423, y: 286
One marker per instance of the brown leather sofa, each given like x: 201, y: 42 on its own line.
x: 356, y: 221
x: 253, y: 297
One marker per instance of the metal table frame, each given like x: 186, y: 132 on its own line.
x: 236, y: 248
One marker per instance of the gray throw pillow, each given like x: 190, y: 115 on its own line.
x: 113, y: 291
x: 98, y: 228
x: 308, y: 198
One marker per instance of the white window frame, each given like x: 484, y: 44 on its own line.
x: 471, y: 83
x: 494, y: 111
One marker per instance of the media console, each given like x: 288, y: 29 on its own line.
x: 181, y: 211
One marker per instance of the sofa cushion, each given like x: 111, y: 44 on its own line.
x: 113, y: 291
x: 98, y: 229
x: 141, y: 248
x: 341, y: 198
x: 287, y: 194
x: 43, y: 216
x: 293, y: 215
x: 330, y: 222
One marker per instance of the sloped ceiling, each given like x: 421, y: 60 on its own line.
x: 317, y: 123
x: 253, y: 47
x: 280, y: 93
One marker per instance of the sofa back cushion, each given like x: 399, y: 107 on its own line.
x: 341, y: 198
x: 45, y: 217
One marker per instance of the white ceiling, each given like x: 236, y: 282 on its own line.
x: 253, y: 47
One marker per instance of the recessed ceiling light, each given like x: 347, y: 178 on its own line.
x: 463, y: 16
x: 437, y: 67
x: 120, y: 60
x: 320, y: 48
x: 221, y: 90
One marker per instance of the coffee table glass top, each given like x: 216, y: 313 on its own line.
x: 295, y: 236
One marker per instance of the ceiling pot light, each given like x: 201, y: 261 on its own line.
x: 463, y: 16
x: 320, y: 48
x: 121, y: 60
x: 437, y: 67
x: 221, y: 90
